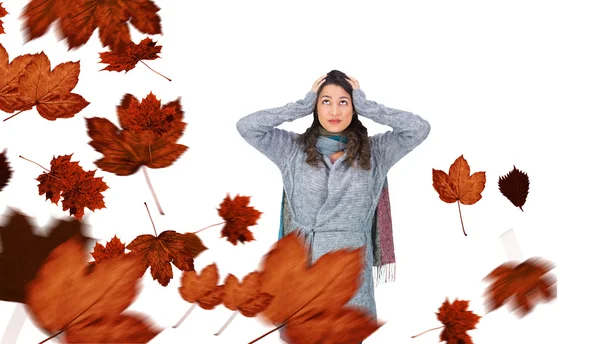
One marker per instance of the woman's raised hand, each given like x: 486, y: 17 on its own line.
x: 318, y: 83
x: 353, y: 82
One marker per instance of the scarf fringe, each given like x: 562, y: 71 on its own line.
x: 385, y: 273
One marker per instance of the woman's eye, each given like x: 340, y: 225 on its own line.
x: 325, y: 101
x: 344, y: 102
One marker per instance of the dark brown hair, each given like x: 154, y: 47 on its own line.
x: 358, y: 148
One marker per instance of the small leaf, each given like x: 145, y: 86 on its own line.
x: 457, y: 321
x: 5, y: 170
x: 238, y: 217
x: 515, y: 187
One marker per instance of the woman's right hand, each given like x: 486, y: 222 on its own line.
x: 318, y: 83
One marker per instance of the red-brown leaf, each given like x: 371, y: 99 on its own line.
x: 78, y: 19
x: 202, y: 288
x: 133, y: 53
x: 2, y: 14
x: 159, y: 252
x: 238, y: 217
x: 10, y: 97
x: 79, y: 189
x: 114, y: 248
x: 457, y: 321
x: 523, y: 285
x: 246, y: 296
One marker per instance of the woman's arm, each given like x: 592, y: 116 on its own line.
x: 408, y: 130
x: 258, y: 128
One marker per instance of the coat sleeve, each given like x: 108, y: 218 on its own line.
x: 258, y: 128
x: 408, y: 130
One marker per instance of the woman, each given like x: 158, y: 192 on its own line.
x: 333, y: 174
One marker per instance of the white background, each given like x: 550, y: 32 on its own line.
x: 511, y: 83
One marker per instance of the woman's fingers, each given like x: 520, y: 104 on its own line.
x: 318, y: 82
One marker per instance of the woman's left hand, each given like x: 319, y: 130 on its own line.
x: 353, y: 82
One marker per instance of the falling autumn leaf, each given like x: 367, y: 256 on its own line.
x: 246, y: 296
x: 202, y: 288
x: 49, y: 90
x: 148, y: 137
x: 515, y: 187
x: 459, y: 185
x: 457, y: 321
x: 24, y: 252
x: 238, y: 217
x: 78, y: 19
x: 133, y: 53
x: 114, y: 248
x: 2, y: 14
x: 79, y: 189
x: 10, y: 73
x: 523, y: 285
x: 159, y: 252
x: 87, y: 304
x: 5, y: 170
x: 314, y: 296
x: 193, y: 245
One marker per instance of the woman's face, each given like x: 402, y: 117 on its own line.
x: 334, y: 108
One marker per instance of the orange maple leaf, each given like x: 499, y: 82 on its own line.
x: 2, y: 14
x: 238, y: 217
x: 49, y: 90
x: 523, y: 285
x: 10, y: 97
x: 314, y: 297
x: 246, y: 296
x: 86, y: 303
x: 133, y: 53
x: 202, y: 288
x: 457, y: 321
x: 148, y: 137
x: 159, y: 252
x: 78, y: 19
x: 79, y: 189
x: 114, y: 248
x: 459, y: 185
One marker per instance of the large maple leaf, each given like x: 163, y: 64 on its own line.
x: 148, y: 137
x: 87, y: 302
x: 78, y: 19
x: 2, y: 14
x: 79, y: 189
x: 310, y: 300
x: 48, y: 90
x: 515, y: 187
x: 5, y: 170
x: 523, y: 285
x: 133, y: 53
x: 159, y: 251
x: 457, y: 321
x: 24, y: 252
x: 10, y: 97
x: 459, y: 185
x: 238, y: 217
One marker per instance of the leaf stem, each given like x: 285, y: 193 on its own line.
x: 6, y: 119
x: 54, y: 335
x: 152, y: 190
x: 154, y: 227
x: 268, y: 333
x: 216, y: 224
x: 20, y: 156
x: 461, y: 220
x: 155, y: 71
x: 185, y: 316
x: 437, y: 328
x: 227, y: 323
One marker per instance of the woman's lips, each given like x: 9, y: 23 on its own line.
x: 334, y: 121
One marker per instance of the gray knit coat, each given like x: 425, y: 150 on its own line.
x: 334, y: 205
